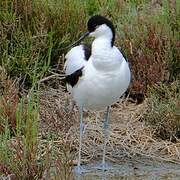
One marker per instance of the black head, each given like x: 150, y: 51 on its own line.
x: 93, y: 23
x: 98, y: 20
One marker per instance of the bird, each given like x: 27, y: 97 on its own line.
x: 97, y: 75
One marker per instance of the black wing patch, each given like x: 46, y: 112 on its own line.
x: 87, y: 51
x: 73, y: 78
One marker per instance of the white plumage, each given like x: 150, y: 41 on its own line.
x: 100, y: 80
x: 105, y: 76
x: 75, y: 59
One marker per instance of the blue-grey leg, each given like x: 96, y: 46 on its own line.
x: 106, y: 134
x: 78, y: 169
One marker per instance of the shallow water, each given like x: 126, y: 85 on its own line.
x: 145, y: 169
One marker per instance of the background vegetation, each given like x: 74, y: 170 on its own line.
x: 32, y: 37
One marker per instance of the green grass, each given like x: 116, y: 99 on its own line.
x: 33, y: 34
x: 23, y: 152
x: 19, y: 152
x: 163, y: 111
x: 32, y: 37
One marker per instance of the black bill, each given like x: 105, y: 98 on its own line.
x: 78, y: 41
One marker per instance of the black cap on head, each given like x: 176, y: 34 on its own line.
x: 97, y: 20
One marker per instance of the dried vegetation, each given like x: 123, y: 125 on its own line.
x: 129, y: 135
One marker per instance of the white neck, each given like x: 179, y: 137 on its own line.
x: 101, y: 45
x: 103, y: 56
x: 103, y: 38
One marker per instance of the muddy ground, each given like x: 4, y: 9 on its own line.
x: 137, y: 168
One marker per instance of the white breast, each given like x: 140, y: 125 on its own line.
x: 103, y: 82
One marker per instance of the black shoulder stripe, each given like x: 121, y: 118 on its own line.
x: 73, y: 78
x: 123, y: 53
x: 87, y: 51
